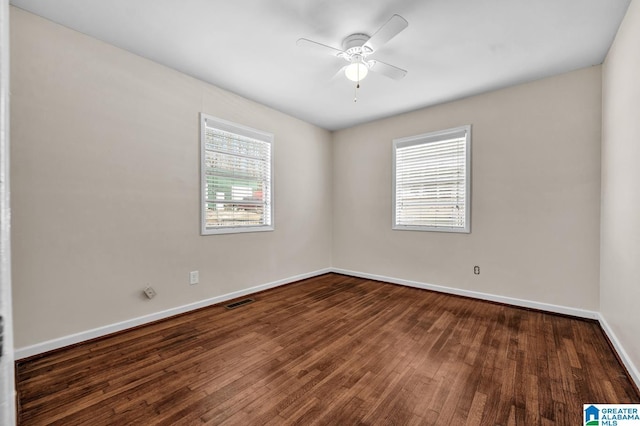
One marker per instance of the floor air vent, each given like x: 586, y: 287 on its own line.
x: 239, y: 303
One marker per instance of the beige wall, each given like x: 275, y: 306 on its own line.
x: 535, y: 197
x: 105, y: 187
x: 620, y: 249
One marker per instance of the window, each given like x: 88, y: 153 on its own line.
x: 235, y: 171
x: 432, y: 181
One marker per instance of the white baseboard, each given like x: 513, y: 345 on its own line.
x: 39, y: 348
x: 558, y: 309
x: 632, y: 369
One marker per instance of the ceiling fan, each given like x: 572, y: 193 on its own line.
x: 357, y: 47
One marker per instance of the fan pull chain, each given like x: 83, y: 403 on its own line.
x: 355, y: 91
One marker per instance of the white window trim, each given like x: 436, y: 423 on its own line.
x: 426, y: 138
x: 245, y: 131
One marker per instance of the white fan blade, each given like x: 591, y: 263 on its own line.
x: 319, y: 47
x: 387, y: 69
x: 388, y: 31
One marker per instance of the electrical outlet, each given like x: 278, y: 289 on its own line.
x: 476, y: 270
x: 194, y: 277
x: 149, y: 292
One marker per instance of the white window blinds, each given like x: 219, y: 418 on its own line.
x: 236, y: 177
x: 432, y: 181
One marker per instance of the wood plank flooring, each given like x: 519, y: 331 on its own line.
x: 332, y: 350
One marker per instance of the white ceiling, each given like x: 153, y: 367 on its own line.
x: 452, y: 48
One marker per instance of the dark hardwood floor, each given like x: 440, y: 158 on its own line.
x: 332, y: 350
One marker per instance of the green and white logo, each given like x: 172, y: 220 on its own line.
x: 611, y: 415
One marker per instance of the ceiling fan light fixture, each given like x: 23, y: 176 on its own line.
x: 357, y: 47
x: 356, y: 70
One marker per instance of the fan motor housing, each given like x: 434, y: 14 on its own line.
x: 353, y: 44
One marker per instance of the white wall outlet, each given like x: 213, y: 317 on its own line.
x: 194, y: 277
x: 149, y: 292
